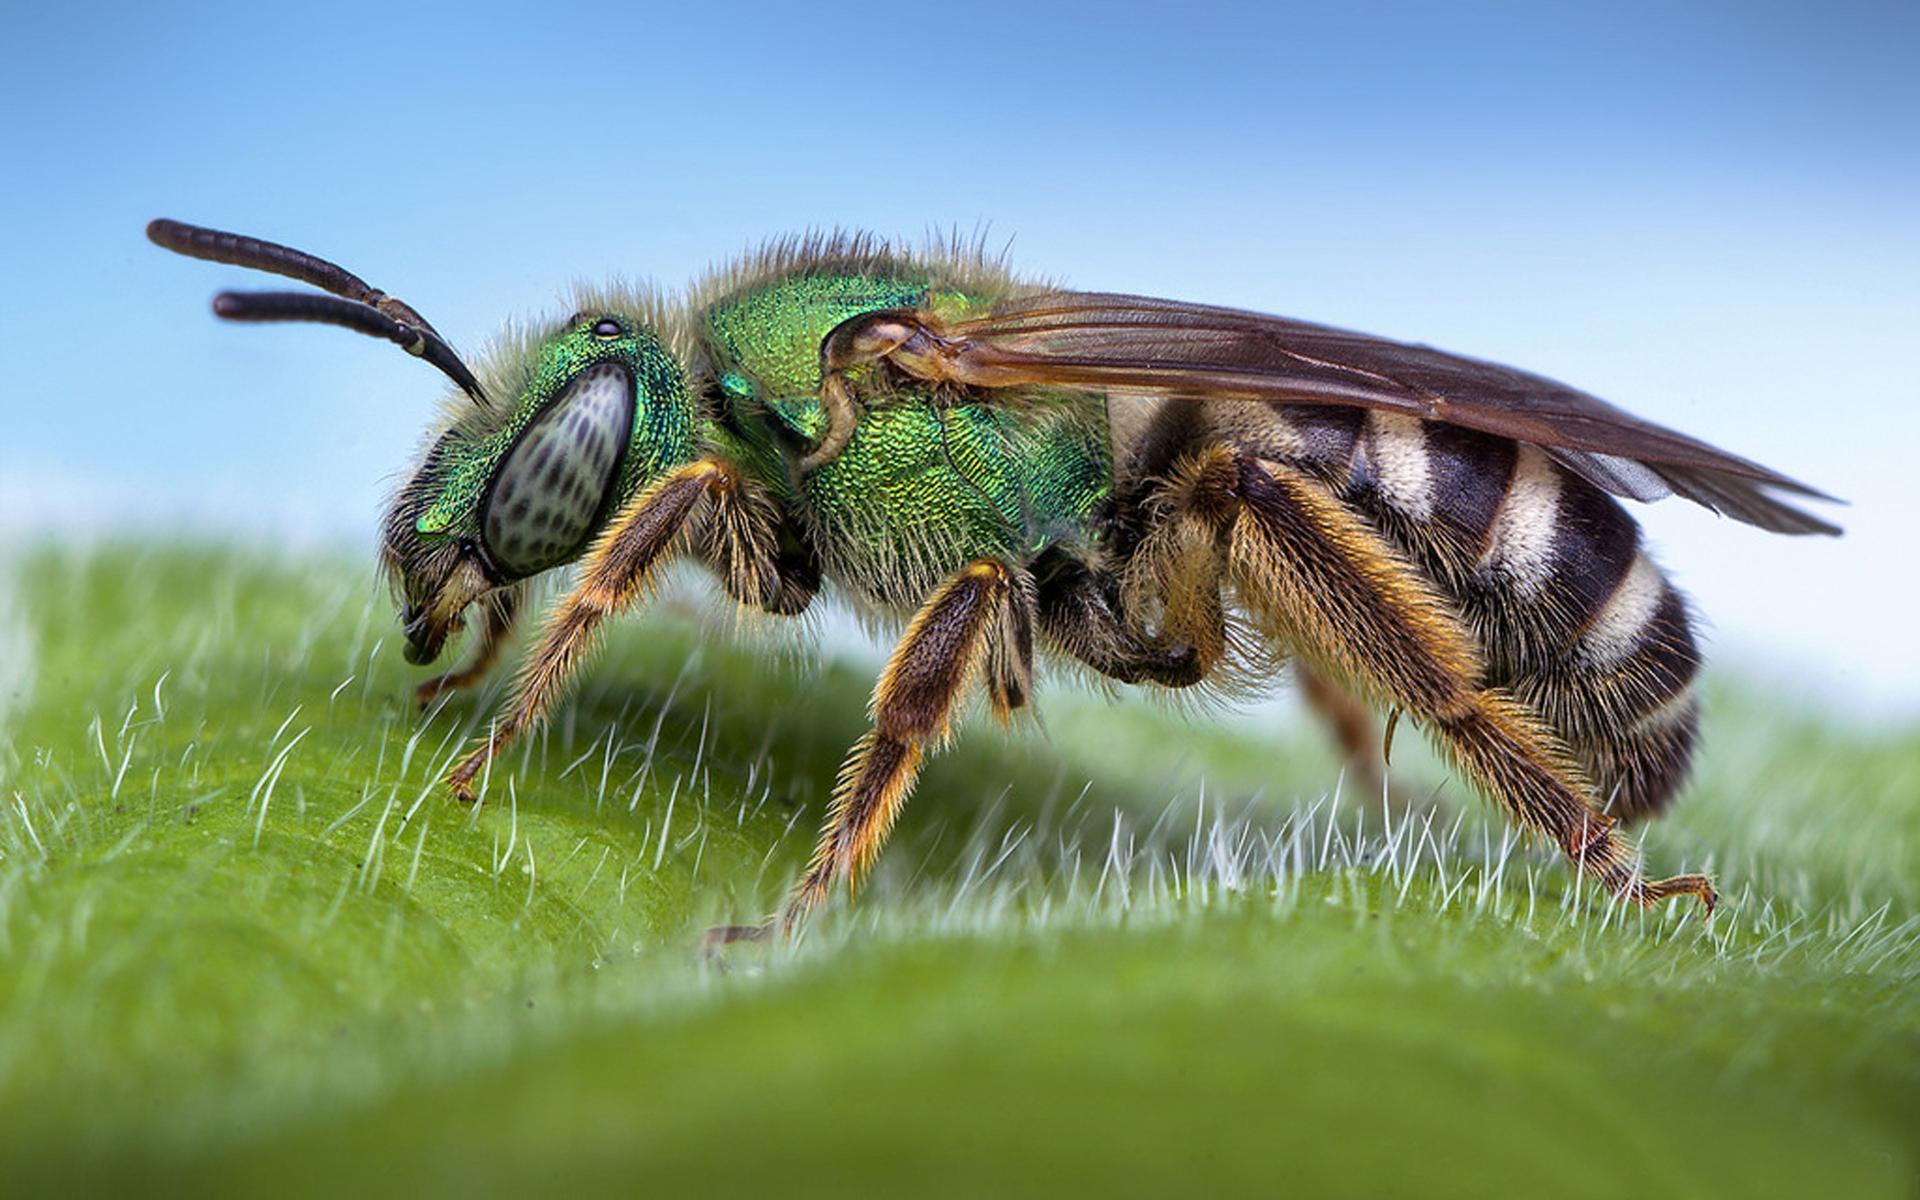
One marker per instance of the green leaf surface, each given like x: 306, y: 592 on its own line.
x: 247, y: 945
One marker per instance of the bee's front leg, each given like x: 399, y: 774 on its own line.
x: 501, y: 611
x: 618, y: 570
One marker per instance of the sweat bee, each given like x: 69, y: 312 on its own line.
x: 1166, y: 493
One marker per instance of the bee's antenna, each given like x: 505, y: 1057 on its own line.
x: 361, y: 318
x: 361, y: 307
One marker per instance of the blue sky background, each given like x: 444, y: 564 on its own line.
x: 1708, y: 213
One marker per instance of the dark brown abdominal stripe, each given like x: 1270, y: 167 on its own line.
x: 1569, y: 614
x: 1572, y: 616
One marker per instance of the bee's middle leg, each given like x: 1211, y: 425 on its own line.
x: 979, y: 620
x: 1354, y: 731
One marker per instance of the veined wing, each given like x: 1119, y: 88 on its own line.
x: 1137, y: 343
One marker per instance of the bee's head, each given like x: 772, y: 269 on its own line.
x: 596, y: 407
x: 522, y: 469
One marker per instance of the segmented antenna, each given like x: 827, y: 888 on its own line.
x: 360, y: 307
x: 332, y: 310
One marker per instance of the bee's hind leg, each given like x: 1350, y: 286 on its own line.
x: 501, y: 612
x: 1317, y: 577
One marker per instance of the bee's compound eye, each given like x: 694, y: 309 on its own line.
x: 607, y: 327
x: 547, y: 491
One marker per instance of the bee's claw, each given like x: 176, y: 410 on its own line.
x: 1698, y: 886
x: 459, y: 781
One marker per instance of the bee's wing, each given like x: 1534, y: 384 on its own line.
x: 1137, y: 343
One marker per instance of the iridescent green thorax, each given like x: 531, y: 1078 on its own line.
x: 927, y: 482
x: 662, y: 436
x: 773, y: 332
x: 922, y: 489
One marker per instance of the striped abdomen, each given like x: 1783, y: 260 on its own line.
x: 1573, y: 616
x: 1546, y: 569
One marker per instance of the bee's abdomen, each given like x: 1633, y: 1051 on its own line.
x: 1548, y: 571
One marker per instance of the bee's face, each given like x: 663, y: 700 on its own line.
x: 574, y: 419
x: 507, y: 494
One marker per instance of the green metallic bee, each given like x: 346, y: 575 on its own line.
x: 1170, y: 494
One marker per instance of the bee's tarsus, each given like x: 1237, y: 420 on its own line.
x: 1700, y: 887
x: 460, y: 783
x: 714, y: 942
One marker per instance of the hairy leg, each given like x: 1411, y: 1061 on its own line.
x: 1319, y: 578
x: 617, y: 571
x: 978, y: 622
x: 759, y: 554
